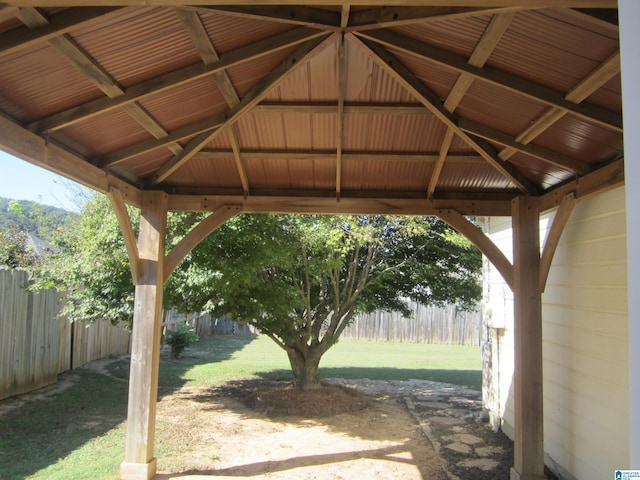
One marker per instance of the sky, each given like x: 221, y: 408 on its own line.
x: 20, y: 180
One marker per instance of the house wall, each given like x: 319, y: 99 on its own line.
x: 585, y: 340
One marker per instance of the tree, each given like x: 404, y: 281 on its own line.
x: 301, y: 279
x: 14, y: 252
x: 91, y: 266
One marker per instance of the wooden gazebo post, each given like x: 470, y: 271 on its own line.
x: 527, y: 291
x: 139, y: 461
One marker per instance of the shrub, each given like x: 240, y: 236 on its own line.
x: 181, y: 338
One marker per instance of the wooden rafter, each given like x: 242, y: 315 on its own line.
x: 495, y: 30
x: 437, y: 169
x: 431, y: 101
x: 174, y: 79
x: 275, y: 78
x: 540, y: 93
x: 342, y: 88
x: 291, y: 14
x: 233, y: 138
x: 541, y: 153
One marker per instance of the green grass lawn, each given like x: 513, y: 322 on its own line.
x: 79, y: 433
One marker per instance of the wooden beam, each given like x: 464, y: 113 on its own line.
x: 394, y: 16
x: 540, y: 93
x: 527, y: 377
x: 489, y: 40
x: 480, y: 240
x: 291, y: 14
x: 541, y: 153
x: 253, y: 97
x: 371, y: 3
x: 257, y: 203
x: 15, y: 40
x: 120, y: 209
x: 342, y: 89
x: 30, y: 147
x: 310, y: 155
x: 599, y: 181
x: 349, y: 108
x: 431, y: 101
x: 437, y: 169
x: 119, y: 156
x: 553, y: 236
x: 233, y: 138
x: 197, y: 235
x: 174, y: 79
x: 139, y: 461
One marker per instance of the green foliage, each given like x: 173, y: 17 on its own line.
x: 14, y: 252
x: 180, y: 338
x: 42, y: 220
x: 92, y: 266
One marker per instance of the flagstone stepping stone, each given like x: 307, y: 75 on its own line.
x: 484, y: 464
x: 459, y: 447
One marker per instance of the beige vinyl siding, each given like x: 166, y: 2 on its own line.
x: 585, y: 344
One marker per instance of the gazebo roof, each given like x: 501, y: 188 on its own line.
x: 291, y: 107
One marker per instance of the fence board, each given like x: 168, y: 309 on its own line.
x: 428, y: 324
x: 36, y: 344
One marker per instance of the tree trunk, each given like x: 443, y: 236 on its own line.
x: 305, y: 368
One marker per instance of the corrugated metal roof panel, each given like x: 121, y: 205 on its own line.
x: 380, y: 175
x: 458, y: 35
x: 139, y: 44
x: 142, y: 166
x: 203, y: 172
x: 439, y: 79
x: 477, y: 175
x: 586, y: 142
x: 609, y: 95
x: 231, y: 32
x: 247, y: 75
x: 106, y: 133
x: 186, y: 104
x: 500, y: 109
x: 541, y: 172
x: 393, y: 133
x: 549, y: 51
x: 40, y: 82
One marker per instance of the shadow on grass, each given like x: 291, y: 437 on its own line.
x: 465, y: 378
x: 50, y: 427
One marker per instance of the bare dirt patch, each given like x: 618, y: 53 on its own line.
x: 215, y: 432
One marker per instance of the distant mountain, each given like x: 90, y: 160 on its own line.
x: 32, y: 217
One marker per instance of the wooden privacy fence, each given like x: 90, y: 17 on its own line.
x: 36, y: 345
x: 428, y: 324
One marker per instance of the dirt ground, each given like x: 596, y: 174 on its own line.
x: 221, y: 435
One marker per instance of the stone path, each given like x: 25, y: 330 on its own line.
x: 453, y: 420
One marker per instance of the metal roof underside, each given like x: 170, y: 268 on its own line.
x: 450, y: 103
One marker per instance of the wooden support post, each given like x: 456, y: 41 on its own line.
x: 139, y: 461
x: 528, y: 415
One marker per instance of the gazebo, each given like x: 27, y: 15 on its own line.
x: 453, y: 108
